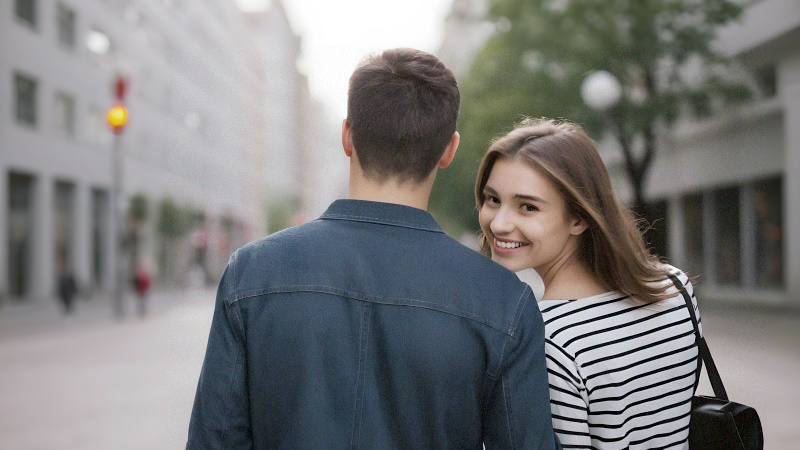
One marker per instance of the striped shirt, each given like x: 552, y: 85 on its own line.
x: 621, y: 371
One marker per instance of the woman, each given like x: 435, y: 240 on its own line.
x: 620, y: 344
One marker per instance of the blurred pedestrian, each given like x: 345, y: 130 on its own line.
x: 370, y: 327
x: 621, y: 351
x: 67, y: 287
x: 141, y: 284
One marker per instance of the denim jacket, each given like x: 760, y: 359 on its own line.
x: 371, y: 328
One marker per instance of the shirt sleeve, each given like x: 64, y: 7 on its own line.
x: 568, y: 398
x: 220, y: 416
x: 518, y: 414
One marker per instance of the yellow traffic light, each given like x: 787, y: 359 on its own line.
x: 117, y: 118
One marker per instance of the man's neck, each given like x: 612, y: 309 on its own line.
x: 391, y: 191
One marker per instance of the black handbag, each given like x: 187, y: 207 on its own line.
x: 716, y: 422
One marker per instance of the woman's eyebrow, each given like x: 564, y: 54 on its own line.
x: 531, y: 198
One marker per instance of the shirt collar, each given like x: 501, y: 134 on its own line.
x: 382, y: 213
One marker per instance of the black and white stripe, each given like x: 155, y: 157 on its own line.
x: 621, y: 371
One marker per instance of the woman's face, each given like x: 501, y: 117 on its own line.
x: 525, y: 219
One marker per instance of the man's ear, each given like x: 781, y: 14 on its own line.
x: 450, y: 151
x: 347, y: 138
x: 577, y: 226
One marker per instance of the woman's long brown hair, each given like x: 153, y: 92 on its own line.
x: 612, y: 247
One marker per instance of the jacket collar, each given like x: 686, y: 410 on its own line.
x: 382, y: 213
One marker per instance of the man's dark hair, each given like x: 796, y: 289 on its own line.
x: 402, y: 106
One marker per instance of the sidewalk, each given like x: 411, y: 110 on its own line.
x: 98, y: 383
x: 45, y: 315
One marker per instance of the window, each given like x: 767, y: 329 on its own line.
x: 767, y: 204
x: 99, y: 234
x: 727, y: 235
x: 96, y: 127
x: 65, y: 24
x: 25, y: 99
x: 26, y: 11
x: 63, y: 220
x: 692, y: 206
x: 20, y: 239
x: 64, y: 119
x: 767, y: 81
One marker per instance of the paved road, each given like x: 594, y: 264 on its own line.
x: 101, y: 384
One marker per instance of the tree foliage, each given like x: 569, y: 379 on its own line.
x: 176, y: 220
x: 139, y: 208
x: 660, y: 50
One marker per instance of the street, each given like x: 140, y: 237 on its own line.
x: 130, y: 384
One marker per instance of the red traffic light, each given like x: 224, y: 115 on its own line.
x: 120, y: 88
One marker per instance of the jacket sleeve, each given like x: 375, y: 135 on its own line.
x: 518, y: 414
x: 220, y: 416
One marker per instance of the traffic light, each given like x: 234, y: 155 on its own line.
x: 118, y: 115
x: 117, y: 118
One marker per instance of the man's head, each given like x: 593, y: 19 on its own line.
x: 402, y: 108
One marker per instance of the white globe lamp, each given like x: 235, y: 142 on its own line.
x: 601, y: 90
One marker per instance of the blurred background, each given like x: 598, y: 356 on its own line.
x: 116, y: 224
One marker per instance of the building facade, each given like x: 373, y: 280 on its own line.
x: 197, y: 136
x: 730, y: 183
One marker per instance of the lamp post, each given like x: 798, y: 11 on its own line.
x: 117, y: 119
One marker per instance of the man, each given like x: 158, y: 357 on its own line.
x: 370, y: 327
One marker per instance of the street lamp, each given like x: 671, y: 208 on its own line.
x: 601, y: 90
x: 117, y: 119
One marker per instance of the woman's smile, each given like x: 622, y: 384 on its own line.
x: 506, y: 247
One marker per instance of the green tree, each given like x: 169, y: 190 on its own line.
x: 660, y: 50
x: 138, y: 213
x: 174, y: 220
x: 139, y: 208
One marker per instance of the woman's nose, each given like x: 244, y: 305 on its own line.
x: 501, y: 223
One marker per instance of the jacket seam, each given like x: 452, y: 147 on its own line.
x: 521, y: 303
x: 230, y: 283
x: 382, y: 221
x: 512, y: 329
x: 230, y: 306
x: 370, y: 298
x: 361, y: 381
x: 509, y: 414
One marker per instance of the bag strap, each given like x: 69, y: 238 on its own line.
x: 702, y: 347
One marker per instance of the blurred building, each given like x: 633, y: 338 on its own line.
x: 728, y: 186
x: 466, y: 32
x: 301, y: 177
x: 203, y: 105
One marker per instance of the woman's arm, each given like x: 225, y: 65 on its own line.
x: 568, y: 398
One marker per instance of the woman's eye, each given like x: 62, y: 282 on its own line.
x: 527, y: 207
x: 492, y: 200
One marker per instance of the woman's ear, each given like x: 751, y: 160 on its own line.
x: 577, y: 226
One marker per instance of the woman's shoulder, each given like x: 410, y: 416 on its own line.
x: 673, y: 278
